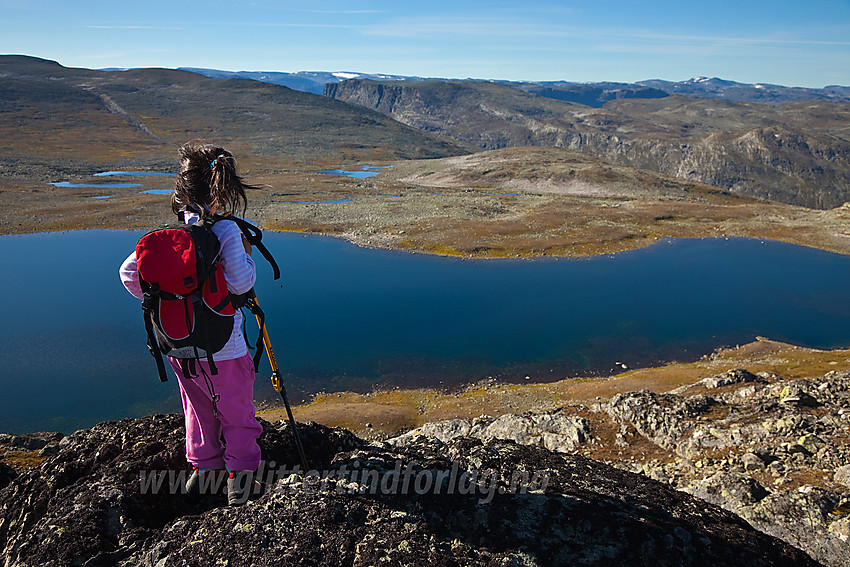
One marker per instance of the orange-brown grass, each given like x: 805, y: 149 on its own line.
x: 406, y: 408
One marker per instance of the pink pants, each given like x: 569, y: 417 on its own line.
x: 229, y: 440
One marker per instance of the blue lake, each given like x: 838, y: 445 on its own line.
x: 72, y: 343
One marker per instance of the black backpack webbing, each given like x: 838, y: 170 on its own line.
x: 153, y: 345
x: 186, y: 364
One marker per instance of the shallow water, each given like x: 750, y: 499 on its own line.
x: 72, y: 349
x: 134, y: 173
x: 354, y: 174
x: 97, y: 185
x: 365, y: 171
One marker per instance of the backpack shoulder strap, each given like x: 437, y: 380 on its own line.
x: 153, y: 346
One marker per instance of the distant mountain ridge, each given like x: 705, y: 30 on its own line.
x: 57, y: 120
x: 307, y: 81
x: 796, y: 153
x: 765, y: 93
x: 591, y: 94
x: 597, y: 94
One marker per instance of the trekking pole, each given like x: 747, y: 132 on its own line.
x: 277, y: 380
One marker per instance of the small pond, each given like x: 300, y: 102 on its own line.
x: 365, y: 171
x: 67, y: 184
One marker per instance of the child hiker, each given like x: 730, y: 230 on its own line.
x: 221, y: 430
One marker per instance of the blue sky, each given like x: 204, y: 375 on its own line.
x: 779, y: 41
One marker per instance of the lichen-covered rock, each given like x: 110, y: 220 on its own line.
x: 87, y: 503
x: 554, y: 431
x: 729, y: 490
x: 805, y: 518
x: 663, y: 418
x: 755, y: 440
x: 588, y: 514
x: 418, y: 502
x: 757, y: 444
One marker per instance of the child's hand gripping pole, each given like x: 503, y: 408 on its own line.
x: 277, y: 379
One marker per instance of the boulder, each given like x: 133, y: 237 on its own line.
x: 735, y: 376
x: 842, y: 475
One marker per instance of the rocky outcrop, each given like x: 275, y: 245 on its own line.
x: 88, y: 505
x: 775, y: 458
x: 772, y: 451
x: 44, y: 442
x: 414, y: 502
x: 792, y: 153
x: 555, y: 432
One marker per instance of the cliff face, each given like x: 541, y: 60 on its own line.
x: 796, y: 153
x: 465, y: 502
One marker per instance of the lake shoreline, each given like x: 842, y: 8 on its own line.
x: 387, y: 413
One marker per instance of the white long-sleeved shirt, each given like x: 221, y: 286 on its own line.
x: 240, y: 273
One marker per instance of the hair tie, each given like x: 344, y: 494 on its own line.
x: 212, y: 164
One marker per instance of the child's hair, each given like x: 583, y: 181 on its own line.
x: 208, y: 176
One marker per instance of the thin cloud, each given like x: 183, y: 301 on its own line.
x: 286, y: 25
x: 721, y: 40
x: 602, y: 38
x: 344, y: 11
x: 133, y: 28
x: 516, y: 27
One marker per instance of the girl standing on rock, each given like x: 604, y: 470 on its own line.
x: 221, y: 428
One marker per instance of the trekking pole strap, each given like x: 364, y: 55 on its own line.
x: 263, y: 339
x: 254, y: 308
x: 255, y: 237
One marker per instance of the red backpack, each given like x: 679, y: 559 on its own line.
x: 187, y: 307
